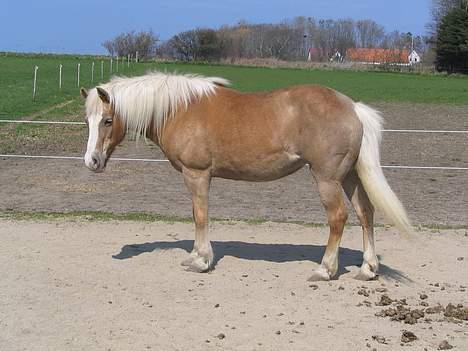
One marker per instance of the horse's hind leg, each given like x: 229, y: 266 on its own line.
x: 331, y: 194
x: 201, y: 257
x: 365, y: 212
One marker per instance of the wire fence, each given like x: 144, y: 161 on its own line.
x: 123, y: 159
x: 63, y: 75
x: 383, y: 130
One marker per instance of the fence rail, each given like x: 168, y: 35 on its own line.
x: 383, y: 130
x: 125, y: 159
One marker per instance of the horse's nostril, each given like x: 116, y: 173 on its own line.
x: 95, y: 161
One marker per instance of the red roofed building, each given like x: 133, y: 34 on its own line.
x: 363, y: 55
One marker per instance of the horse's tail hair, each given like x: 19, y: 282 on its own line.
x: 370, y: 172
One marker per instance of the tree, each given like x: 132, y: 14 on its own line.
x: 344, y: 35
x: 185, y: 45
x: 209, y: 45
x: 129, y: 43
x: 197, y: 44
x: 369, y: 34
x: 452, y: 42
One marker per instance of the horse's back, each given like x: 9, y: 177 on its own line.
x: 264, y: 136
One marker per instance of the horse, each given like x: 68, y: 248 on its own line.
x: 207, y: 129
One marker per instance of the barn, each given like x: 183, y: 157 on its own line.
x: 377, y: 55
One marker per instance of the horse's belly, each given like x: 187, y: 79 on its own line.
x: 257, y: 169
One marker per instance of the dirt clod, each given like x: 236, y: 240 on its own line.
x: 363, y: 292
x: 444, y: 345
x: 458, y: 312
x: 408, y: 336
x: 402, y: 314
x: 380, y: 339
x: 381, y: 290
x: 435, y: 309
x: 384, y: 301
x: 221, y: 336
x: 423, y: 296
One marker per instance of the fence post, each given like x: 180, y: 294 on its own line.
x: 60, y: 76
x: 78, y: 76
x: 102, y: 70
x: 128, y: 60
x: 92, y: 72
x: 34, y: 83
x: 111, y: 65
x: 117, y: 67
x: 136, y: 57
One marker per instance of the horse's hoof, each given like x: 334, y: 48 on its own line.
x: 188, y: 261
x: 366, y: 274
x: 319, y: 274
x: 199, y: 265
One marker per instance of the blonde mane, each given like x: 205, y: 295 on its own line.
x: 154, y: 97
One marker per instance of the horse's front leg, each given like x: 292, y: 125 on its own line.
x: 198, y: 182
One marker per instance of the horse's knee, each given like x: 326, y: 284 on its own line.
x: 338, y: 217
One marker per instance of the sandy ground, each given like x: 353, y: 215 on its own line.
x: 119, y: 286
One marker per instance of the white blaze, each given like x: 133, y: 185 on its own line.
x: 93, y: 125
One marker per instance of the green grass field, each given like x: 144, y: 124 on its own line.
x: 16, y: 76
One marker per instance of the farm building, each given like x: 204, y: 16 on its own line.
x: 317, y: 55
x: 320, y: 55
x: 381, y: 56
x: 414, y: 57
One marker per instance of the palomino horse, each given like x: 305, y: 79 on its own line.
x: 208, y: 130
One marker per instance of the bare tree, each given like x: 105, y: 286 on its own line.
x: 184, y: 45
x: 343, y: 34
x: 129, y: 43
x: 109, y: 46
x: 369, y: 34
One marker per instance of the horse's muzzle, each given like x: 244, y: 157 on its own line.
x: 95, y: 162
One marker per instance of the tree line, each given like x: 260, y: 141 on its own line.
x: 291, y: 39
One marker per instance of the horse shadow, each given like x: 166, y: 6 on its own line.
x: 278, y: 253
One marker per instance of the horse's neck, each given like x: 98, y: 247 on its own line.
x: 153, y: 134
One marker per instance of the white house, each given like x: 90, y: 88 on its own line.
x: 414, y: 58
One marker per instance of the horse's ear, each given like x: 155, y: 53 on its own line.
x: 84, y: 93
x: 103, y: 95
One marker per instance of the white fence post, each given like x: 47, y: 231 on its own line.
x: 102, y: 70
x: 128, y: 60
x: 117, y: 67
x: 136, y: 57
x: 78, y: 75
x: 92, y: 72
x: 60, y: 76
x: 35, y: 81
x: 110, y: 66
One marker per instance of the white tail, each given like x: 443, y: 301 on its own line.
x: 370, y: 172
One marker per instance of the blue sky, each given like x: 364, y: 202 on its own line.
x: 81, y: 26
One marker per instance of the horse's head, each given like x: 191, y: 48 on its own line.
x: 106, y: 130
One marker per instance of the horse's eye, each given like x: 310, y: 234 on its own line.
x: 108, y: 122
